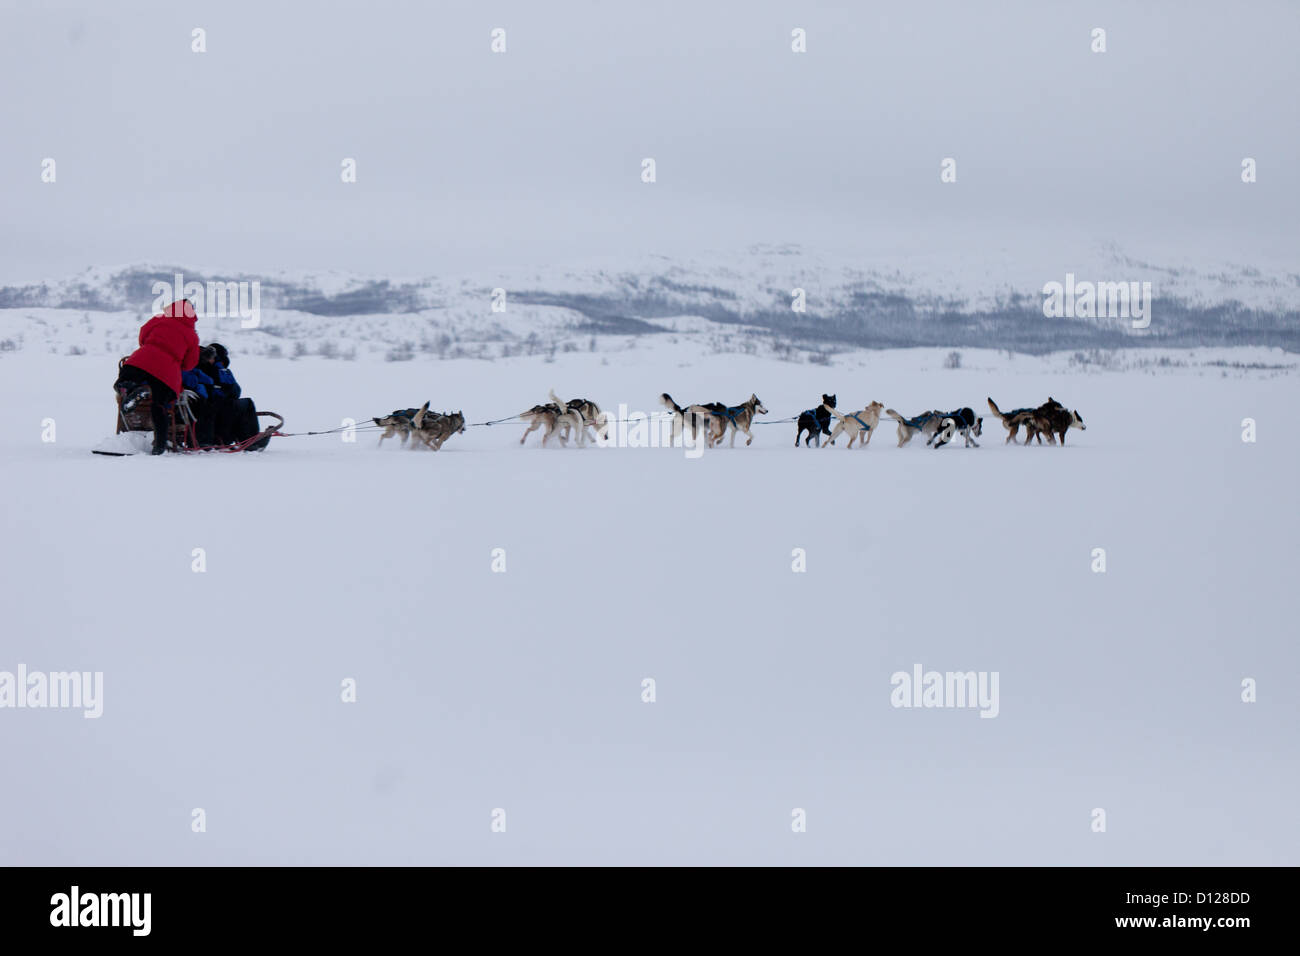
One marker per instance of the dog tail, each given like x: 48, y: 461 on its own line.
x: 564, y: 409
x: 993, y: 406
x: 667, y: 401
x: 894, y: 415
x: 833, y: 411
x: 419, y: 416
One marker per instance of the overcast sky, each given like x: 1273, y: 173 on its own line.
x: 469, y: 160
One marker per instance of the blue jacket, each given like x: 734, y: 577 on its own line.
x: 196, y: 382
x: 228, y: 385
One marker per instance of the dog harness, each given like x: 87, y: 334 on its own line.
x: 854, y: 416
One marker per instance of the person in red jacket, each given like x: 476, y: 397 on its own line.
x: 168, y: 346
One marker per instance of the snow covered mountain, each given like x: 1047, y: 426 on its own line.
x: 993, y: 299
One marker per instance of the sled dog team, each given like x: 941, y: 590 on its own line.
x: 710, y: 422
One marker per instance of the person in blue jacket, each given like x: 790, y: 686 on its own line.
x: 234, y: 417
x: 225, y: 377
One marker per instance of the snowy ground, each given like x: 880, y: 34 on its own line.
x: 476, y: 690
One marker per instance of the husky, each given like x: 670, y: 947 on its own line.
x: 927, y: 423
x: 557, y: 416
x: 569, y: 419
x: 1014, y: 419
x: 1052, y: 420
x: 537, y: 417
x: 399, y: 422
x: 738, y: 418
x: 435, y: 428
x: 856, y: 424
x: 566, y: 418
x: 592, y: 417
x: 700, y: 420
x: 815, y: 421
x: 963, y: 420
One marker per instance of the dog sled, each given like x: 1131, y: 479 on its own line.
x: 133, y: 429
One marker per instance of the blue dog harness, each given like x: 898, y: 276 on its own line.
x: 919, y: 420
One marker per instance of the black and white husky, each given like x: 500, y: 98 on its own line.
x: 816, y: 422
x: 963, y: 420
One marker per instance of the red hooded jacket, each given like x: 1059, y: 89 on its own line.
x: 168, y: 344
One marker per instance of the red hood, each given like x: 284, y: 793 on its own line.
x: 181, y: 309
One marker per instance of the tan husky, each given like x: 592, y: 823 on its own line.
x: 539, y: 416
x: 856, y: 424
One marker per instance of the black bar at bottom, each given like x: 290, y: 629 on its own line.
x: 334, y: 905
